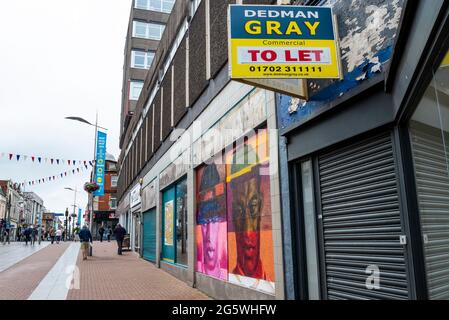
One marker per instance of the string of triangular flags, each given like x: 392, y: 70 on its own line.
x: 39, y: 159
x: 54, y: 177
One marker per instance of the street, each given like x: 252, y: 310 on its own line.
x: 57, y: 272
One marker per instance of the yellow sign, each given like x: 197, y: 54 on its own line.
x: 445, y: 62
x: 279, y: 42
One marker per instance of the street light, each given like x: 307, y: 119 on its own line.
x: 95, y: 161
x: 74, y: 203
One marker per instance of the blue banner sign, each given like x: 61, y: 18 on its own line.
x: 100, y: 164
x: 79, y: 216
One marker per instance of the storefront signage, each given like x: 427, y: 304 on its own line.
x: 100, y: 164
x: 282, y: 42
x: 135, y: 196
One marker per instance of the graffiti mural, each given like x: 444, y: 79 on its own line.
x: 234, y: 228
x: 211, y: 229
x: 250, y: 241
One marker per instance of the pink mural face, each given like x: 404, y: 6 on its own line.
x: 212, y: 258
x: 211, y: 229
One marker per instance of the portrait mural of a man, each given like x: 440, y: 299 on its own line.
x: 251, y: 261
x: 211, y: 227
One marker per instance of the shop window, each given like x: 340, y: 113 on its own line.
x: 174, y: 224
x: 429, y: 131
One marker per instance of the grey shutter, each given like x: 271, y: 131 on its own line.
x: 361, y: 223
x: 432, y: 183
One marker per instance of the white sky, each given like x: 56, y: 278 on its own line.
x: 59, y: 58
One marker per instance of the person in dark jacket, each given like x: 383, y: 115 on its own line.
x: 85, y: 239
x: 119, y: 233
x: 27, y: 235
x: 101, y: 232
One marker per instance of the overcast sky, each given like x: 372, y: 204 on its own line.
x: 58, y: 58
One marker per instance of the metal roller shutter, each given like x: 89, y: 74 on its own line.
x: 149, y: 235
x: 432, y: 183
x: 361, y: 223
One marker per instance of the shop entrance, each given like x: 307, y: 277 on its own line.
x: 353, y: 234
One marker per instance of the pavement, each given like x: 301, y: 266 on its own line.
x: 57, y: 272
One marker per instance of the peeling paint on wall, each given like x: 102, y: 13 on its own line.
x: 367, y: 35
x: 367, y: 30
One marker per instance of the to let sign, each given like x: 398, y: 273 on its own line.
x: 278, y: 42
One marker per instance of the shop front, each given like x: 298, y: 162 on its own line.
x: 365, y: 208
x: 149, y: 234
x: 134, y: 219
x: 217, y: 206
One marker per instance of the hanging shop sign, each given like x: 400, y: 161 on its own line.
x: 100, y: 165
x: 282, y: 42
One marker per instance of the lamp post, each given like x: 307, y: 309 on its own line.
x: 65, y: 221
x: 95, y: 162
x: 73, y: 215
x: 39, y: 231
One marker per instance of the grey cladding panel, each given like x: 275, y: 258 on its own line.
x: 218, y: 34
x: 197, y: 54
x: 166, y: 105
x: 179, y: 62
x: 157, y: 120
x: 361, y: 221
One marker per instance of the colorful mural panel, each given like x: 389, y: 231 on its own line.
x: 234, y: 227
x: 211, y: 228
x: 168, y: 223
x: 250, y: 239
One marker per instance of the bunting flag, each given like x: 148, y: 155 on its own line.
x: 53, y: 178
x: 40, y: 159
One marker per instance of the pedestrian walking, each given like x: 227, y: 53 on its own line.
x: 58, y: 235
x: 109, y: 234
x: 77, y: 234
x: 101, y: 232
x: 33, y: 234
x: 119, y: 233
x: 52, y: 234
x: 27, y: 235
x: 86, y: 240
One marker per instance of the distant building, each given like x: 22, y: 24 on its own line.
x: 2, y: 204
x: 146, y: 24
x: 16, y: 213
x: 34, y: 206
x: 106, y: 205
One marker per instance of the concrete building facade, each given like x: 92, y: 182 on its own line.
x: 197, y: 139
x: 146, y: 25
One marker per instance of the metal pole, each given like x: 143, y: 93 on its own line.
x: 93, y: 174
x: 39, y: 231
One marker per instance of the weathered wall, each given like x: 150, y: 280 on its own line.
x: 367, y: 31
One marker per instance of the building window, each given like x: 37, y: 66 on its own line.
x: 148, y: 30
x: 114, y: 180
x: 155, y: 5
x: 113, y: 203
x: 135, y: 89
x: 141, y: 59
